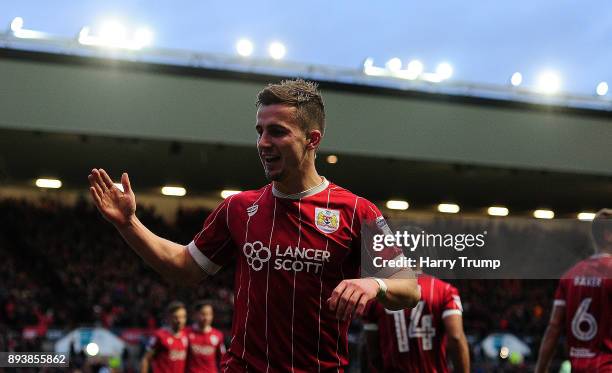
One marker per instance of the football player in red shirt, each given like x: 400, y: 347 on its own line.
x: 206, y: 347
x: 415, y: 340
x: 583, y: 307
x: 167, y: 349
x: 296, y: 243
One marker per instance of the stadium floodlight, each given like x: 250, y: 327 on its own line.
x: 516, y: 79
x: 548, y: 82
x: 174, y: 191
x: 444, y: 71
x: 84, y: 35
x: 543, y: 214
x: 92, y: 349
x: 414, y: 69
x: 504, y: 352
x: 48, y: 183
x: 332, y: 159
x: 370, y: 69
x: 602, y: 89
x: 19, y: 32
x: 16, y: 24
x: 586, y: 216
x: 119, y: 186
x: 397, y: 205
x: 244, y: 47
x: 277, y: 50
x: 143, y: 37
x: 394, y: 64
x: 448, y: 208
x: 114, y: 35
x: 497, y: 211
x: 228, y: 192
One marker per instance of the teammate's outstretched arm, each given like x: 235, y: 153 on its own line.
x: 549, y: 341
x: 170, y: 259
x: 457, y: 343
x: 145, y: 362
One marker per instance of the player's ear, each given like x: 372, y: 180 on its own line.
x: 314, y: 139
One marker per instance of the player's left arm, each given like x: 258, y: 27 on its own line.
x: 456, y: 343
x: 549, y: 341
x: 145, y: 363
x: 352, y: 296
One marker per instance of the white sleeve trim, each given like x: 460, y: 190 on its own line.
x: 370, y: 327
x: 206, y: 264
x: 451, y: 313
x: 559, y: 302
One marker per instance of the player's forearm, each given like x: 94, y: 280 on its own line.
x: 144, y: 365
x: 401, y: 293
x: 459, y: 352
x: 547, y: 348
x: 168, y: 258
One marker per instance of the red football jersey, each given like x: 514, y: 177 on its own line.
x: 414, y: 340
x: 170, y: 351
x: 291, y: 252
x: 586, y: 293
x: 205, y: 350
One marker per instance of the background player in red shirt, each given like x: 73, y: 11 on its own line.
x: 583, y: 307
x: 167, y: 349
x: 296, y: 279
x: 415, y: 340
x: 206, y: 346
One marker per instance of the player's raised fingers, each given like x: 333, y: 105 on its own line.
x: 107, y: 179
x: 95, y: 196
x: 99, y: 180
x: 93, y: 181
x: 125, y: 181
x: 335, y: 295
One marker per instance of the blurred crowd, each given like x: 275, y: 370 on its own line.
x: 63, y: 266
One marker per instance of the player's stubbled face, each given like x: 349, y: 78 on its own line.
x: 178, y: 319
x: 281, y: 143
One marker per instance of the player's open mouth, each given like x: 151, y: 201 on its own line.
x: 271, y: 159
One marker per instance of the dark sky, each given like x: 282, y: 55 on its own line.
x: 485, y: 41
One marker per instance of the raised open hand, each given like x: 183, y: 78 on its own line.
x: 117, y: 206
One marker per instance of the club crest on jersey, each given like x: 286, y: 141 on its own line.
x: 327, y: 220
x: 214, y: 340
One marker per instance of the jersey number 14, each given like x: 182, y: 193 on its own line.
x: 420, y: 326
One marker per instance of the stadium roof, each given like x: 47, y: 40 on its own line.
x: 267, y: 67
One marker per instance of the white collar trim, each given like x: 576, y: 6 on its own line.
x: 306, y: 193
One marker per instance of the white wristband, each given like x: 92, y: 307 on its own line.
x: 382, y: 288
